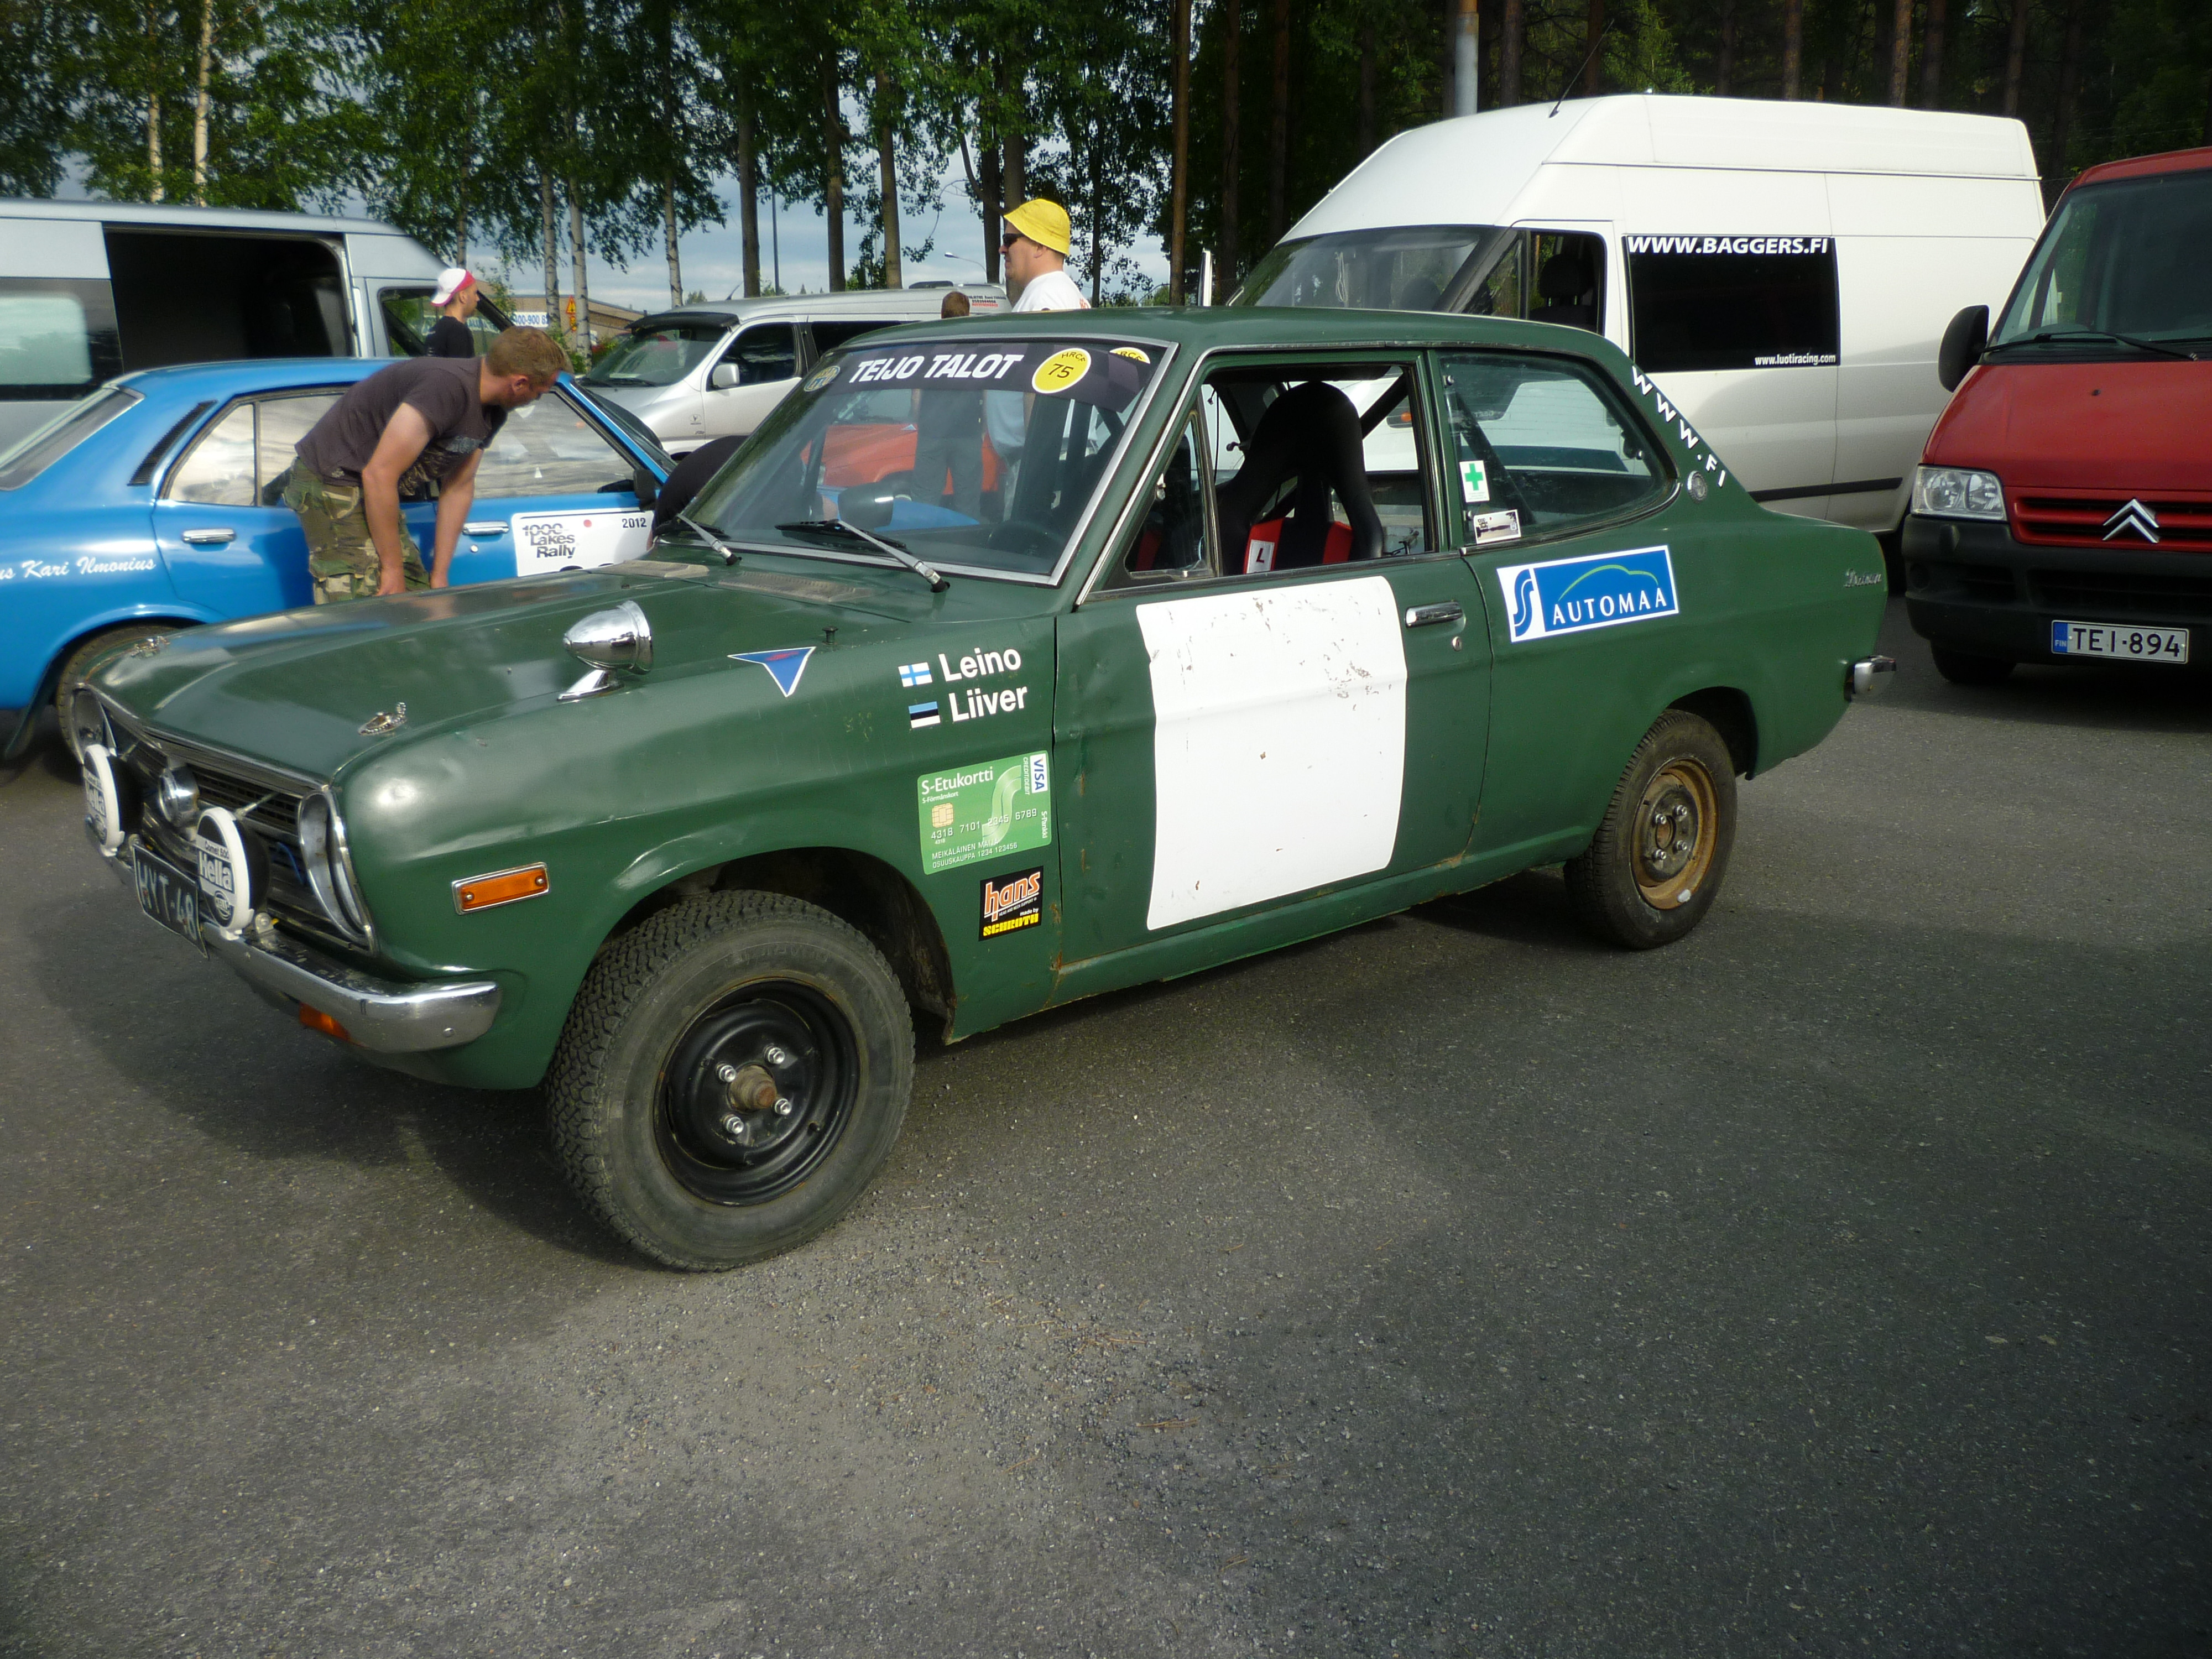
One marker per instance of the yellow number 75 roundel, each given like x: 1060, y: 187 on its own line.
x: 1061, y: 370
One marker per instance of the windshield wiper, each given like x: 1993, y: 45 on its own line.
x: 2060, y: 336
x: 838, y: 526
x: 729, y: 554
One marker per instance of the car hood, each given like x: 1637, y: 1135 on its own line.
x: 2126, y: 428
x: 295, y: 690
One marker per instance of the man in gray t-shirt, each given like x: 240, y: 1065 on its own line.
x: 418, y: 424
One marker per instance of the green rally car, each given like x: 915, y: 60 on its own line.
x: 1013, y: 659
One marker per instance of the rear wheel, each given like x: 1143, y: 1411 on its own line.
x: 88, y: 655
x: 1655, y: 864
x: 1964, y: 668
x: 733, y: 1073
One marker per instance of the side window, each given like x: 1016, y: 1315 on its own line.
x: 219, y: 470
x: 1541, y: 447
x: 284, y: 421
x: 57, y: 337
x: 1171, y: 542
x: 1569, y: 286
x: 547, y: 448
x: 765, y: 354
x: 828, y: 337
x: 1305, y: 468
x: 1719, y: 302
x: 409, y: 317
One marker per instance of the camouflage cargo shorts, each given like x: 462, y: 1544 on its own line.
x: 341, y: 557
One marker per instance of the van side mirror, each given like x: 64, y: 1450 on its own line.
x: 1962, y: 345
x: 725, y: 376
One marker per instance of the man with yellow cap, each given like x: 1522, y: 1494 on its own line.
x: 1036, y: 248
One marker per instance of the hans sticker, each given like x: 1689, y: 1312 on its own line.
x: 1061, y: 370
x: 984, y: 811
x: 1013, y: 902
x: 784, y: 667
x: 1568, y: 596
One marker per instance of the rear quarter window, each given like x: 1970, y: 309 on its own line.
x: 28, y: 458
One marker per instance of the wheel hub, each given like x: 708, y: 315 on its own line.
x: 1670, y: 833
x: 754, y: 1094
x: 1674, y: 828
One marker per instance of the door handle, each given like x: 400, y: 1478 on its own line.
x: 1428, y: 616
x: 211, y: 537
x: 484, y: 527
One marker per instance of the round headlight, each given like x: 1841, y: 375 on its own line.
x: 106, y: 799
x: 323, y: 853
x: 233, y: 870
x: 177, y: 795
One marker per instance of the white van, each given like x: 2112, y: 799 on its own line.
x: 90, y: 290
x: 702, y: 372
x: 1783, y: 271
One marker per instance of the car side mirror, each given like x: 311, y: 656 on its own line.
x: 723, y: 377
x: 866, y: 506
x: 1962, y: 345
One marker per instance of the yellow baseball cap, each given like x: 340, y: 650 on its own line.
x: 1043, y: 223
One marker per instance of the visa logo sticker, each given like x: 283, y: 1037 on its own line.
x: 1567, y: 596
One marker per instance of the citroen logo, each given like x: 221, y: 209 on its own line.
x: 2137, y: 516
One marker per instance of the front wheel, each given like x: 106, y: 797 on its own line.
x: 1655, y: 865
x: 78, y: 668
x: 733, y: 1073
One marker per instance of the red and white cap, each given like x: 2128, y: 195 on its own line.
x: 452, y: 280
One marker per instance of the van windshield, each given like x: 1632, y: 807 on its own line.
x: 1408, y: 268
x: 2122, y: 261
x: 980, y: 458
x: 656, y: 356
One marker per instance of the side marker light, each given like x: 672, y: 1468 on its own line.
x: 316, y: 1020
x: 500, y: 887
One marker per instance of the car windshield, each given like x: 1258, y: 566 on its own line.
x: 28, y: 458
x: 979, y: 457
x: 2126, y: 258
x: 659, y: 355
x: 1410, y: 268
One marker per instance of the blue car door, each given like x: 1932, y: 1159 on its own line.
x: 555, y: 490
x: 232, y: 548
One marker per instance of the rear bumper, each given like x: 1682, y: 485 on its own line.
x: 1972, y: 586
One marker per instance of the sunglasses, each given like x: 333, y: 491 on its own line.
x: 1006, y: 242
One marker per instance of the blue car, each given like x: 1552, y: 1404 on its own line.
x: 152, y: 506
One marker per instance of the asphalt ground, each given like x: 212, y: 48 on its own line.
x: 1835, y: 1281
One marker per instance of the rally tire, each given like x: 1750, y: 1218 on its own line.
x: 702, y: 990
x: 1655, y: 865
x: 1964, y: 668
x: 88, y: 655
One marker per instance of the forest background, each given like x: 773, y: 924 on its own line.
x: 537, y: 128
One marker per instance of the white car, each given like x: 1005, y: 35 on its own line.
x: 703, y: 372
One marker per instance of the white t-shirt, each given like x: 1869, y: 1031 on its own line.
x: 1054, y: 291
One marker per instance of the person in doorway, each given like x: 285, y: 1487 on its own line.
x: 456, y: 297
x: 418, y: 424
x: 1036, y: 250
x: 949, y: 438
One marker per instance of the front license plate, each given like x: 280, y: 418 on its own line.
x: 569, y: 541
x: 2167, y: 645
x: 167, y: 894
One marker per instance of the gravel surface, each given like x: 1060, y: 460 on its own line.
x: 1835, y: 1281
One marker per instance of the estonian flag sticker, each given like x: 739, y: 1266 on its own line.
x: 913, y: 673
x: 918, y: 714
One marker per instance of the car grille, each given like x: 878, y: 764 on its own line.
x: 1986, y: 584
x: 2183, y: 526
x: 271, y: 810
x: 2131, y: 597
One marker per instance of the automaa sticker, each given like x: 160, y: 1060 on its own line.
x: 1604, y: 590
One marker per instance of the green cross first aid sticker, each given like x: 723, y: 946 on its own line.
x: 980, y: 811
x: 1473, y: 481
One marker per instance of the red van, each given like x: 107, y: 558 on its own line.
x: 2063, y: 508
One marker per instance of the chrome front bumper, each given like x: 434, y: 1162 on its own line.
x: 1869, y: 677
x: 382, y: 1016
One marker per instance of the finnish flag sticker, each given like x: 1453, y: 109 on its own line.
x: 913, y: 673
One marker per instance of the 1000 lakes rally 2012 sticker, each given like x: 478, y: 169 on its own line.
x: 1602, y: 590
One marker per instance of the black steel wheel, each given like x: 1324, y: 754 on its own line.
x: 732, y: 1074
x: 77, y: 666
x: 1655, y: 865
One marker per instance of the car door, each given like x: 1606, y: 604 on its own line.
x: 557, y: 489
x: 232, y: 547
x: 755, y: 372
x: 1234, y: 736
x: 1564, y: 520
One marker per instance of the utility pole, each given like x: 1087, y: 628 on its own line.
x: 1467, y: 56
x: 1179, y: 178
